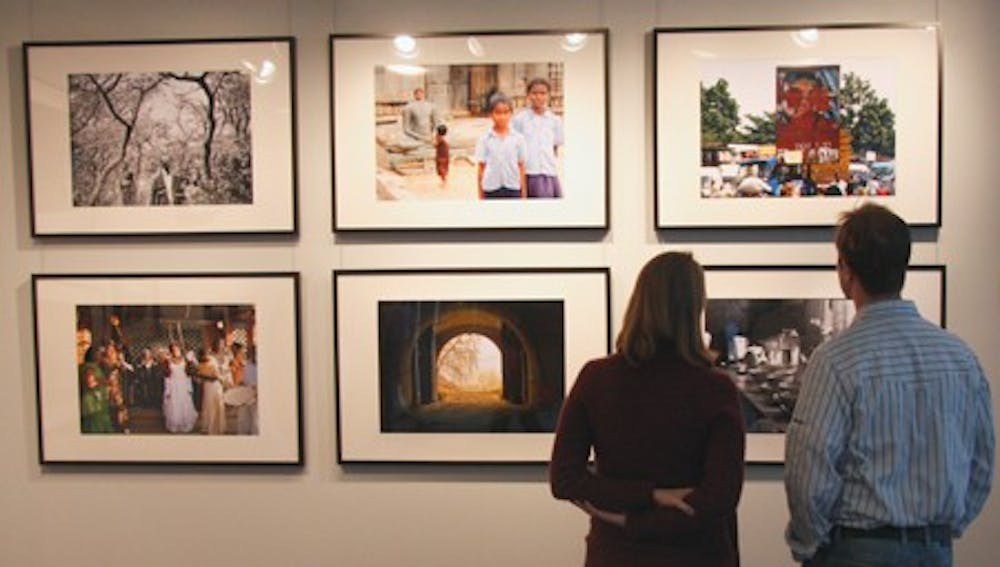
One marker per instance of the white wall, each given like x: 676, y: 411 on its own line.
x: 441, y: 516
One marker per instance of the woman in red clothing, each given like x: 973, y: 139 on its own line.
x: 666, y: 432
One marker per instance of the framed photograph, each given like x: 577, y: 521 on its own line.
x: 788, y: 127
x: 169, y: 369
x: 477, y: 130
x: 162, y: 137
x: 461, y: 366
x: 766, y: 321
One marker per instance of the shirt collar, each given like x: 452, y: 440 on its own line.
x: 888, y: 307
x: 493, y: 133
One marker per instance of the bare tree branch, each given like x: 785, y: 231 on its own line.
x: 104, y: 90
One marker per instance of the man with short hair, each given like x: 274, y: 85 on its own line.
x: 890, y: 450
x: 420, y: 117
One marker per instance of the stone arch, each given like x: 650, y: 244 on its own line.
x: 519, y: 359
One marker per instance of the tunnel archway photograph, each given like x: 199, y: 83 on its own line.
x: 459, y: 366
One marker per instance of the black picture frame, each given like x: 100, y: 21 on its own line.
x: 705, y: 162
x: 390, y: 411
x: 369, y: 192
x: 763, y: 304
x: 102, y: 116
x: 261, y: 418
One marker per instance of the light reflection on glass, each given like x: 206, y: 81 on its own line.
x: 573, y: 42
x: 262, y: 74
x: 408, y: 70
x: 807, y: 37
x: 406, y: 46
x: 474, y: 46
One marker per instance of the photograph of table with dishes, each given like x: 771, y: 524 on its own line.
x: 765, y: 345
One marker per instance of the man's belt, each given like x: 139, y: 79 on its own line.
x: 925, y: 534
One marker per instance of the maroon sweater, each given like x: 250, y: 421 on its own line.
x: 666, y: 424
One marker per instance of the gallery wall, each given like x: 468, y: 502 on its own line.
x: 429, y: 515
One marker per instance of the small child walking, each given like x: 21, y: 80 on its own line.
x: 442, y: 153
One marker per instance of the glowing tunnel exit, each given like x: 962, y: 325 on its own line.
x: 469, y: 370
x: 471, y: 366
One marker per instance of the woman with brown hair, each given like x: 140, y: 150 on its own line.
x: 665, y: 429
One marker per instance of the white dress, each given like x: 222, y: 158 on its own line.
x: 213, y: 408
x: 178, y: 406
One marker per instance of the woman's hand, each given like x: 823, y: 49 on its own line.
x: 673, y: 498
x: 614, y: 518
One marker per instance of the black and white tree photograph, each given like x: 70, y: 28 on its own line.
x: 161, y: 138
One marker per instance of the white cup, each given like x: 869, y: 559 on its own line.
x: 740, y: 344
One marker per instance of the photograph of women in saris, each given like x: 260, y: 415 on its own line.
x: 167, y: 369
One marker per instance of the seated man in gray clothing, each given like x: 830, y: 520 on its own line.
x: 420, y: 117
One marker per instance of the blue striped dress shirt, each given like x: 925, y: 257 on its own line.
x: 893, y: 427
